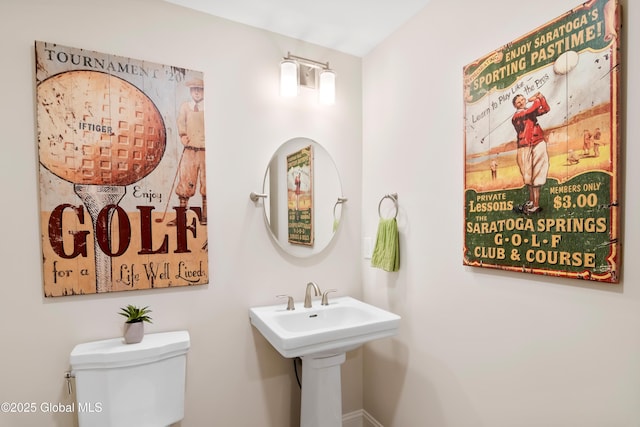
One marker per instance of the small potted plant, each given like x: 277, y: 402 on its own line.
x: 134, y: 325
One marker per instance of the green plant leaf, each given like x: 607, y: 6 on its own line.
x: 136, y: 314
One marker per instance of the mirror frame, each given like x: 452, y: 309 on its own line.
x: 327, y: 202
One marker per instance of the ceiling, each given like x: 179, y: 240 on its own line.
x: 351, y: 26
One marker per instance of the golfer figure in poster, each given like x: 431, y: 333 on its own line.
x: 191, y: 167
x: 494, y: 169
x: 297, y: 182
x: 531, y: 156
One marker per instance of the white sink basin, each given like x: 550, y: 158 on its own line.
x: 322, y: 331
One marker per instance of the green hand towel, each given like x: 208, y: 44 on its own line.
x: 386, y: 253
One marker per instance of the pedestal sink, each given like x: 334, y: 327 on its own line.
x: 321, y: 336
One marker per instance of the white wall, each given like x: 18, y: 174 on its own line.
x: 234, y: 377
x: 482, y: 347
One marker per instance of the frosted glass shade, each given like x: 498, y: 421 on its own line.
x: 288, y: 78
x: 327, y: 93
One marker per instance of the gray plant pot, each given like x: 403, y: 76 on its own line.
x: 133, y: 332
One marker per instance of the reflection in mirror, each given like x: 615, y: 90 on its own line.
x: 303, y: 203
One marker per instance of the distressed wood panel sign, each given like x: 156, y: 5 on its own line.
x: 121, y: 145
x: 542, y: 149
x: 300, y: 196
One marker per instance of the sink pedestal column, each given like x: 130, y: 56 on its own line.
x: 321, y: 391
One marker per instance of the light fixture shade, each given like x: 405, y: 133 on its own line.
x: 288, y: 78
x: 327, y: 93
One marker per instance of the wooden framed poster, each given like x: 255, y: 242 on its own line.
x: 542, y: 149
x: 123, y: 202
x: 300, y: 196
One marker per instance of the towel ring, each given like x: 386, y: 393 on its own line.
x: 339, y: 202
x: 394, y: 198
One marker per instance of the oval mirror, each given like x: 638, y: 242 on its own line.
x: 302, y: 197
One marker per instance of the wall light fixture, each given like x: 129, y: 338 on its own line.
x: 296, y: 72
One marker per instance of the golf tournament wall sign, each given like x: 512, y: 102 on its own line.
x: 123, y: 202
x: 542, y: 149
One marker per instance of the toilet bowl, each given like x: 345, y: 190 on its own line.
x: 131, y: 385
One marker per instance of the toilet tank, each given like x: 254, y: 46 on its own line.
x: 131, y: 385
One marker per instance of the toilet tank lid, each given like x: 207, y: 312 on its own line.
x: 114, y: 353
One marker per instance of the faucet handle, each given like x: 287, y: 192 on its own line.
x: 325, y: 299
x: 290, y: 304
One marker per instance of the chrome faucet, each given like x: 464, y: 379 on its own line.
x: 307, y: 293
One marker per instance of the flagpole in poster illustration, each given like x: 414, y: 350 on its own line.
x: 121, y: 145
x: 542, y: 149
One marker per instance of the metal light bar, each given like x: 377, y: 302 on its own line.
x: 307, y: 61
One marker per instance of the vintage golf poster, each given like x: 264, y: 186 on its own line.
x: 123, y: 202
x: 300, y: 197
x: 542, y: 149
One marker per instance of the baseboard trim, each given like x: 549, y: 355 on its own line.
x: 359, y: 418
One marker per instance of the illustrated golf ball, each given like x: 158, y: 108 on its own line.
x: 566, y: 62
x: 96, y: 128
